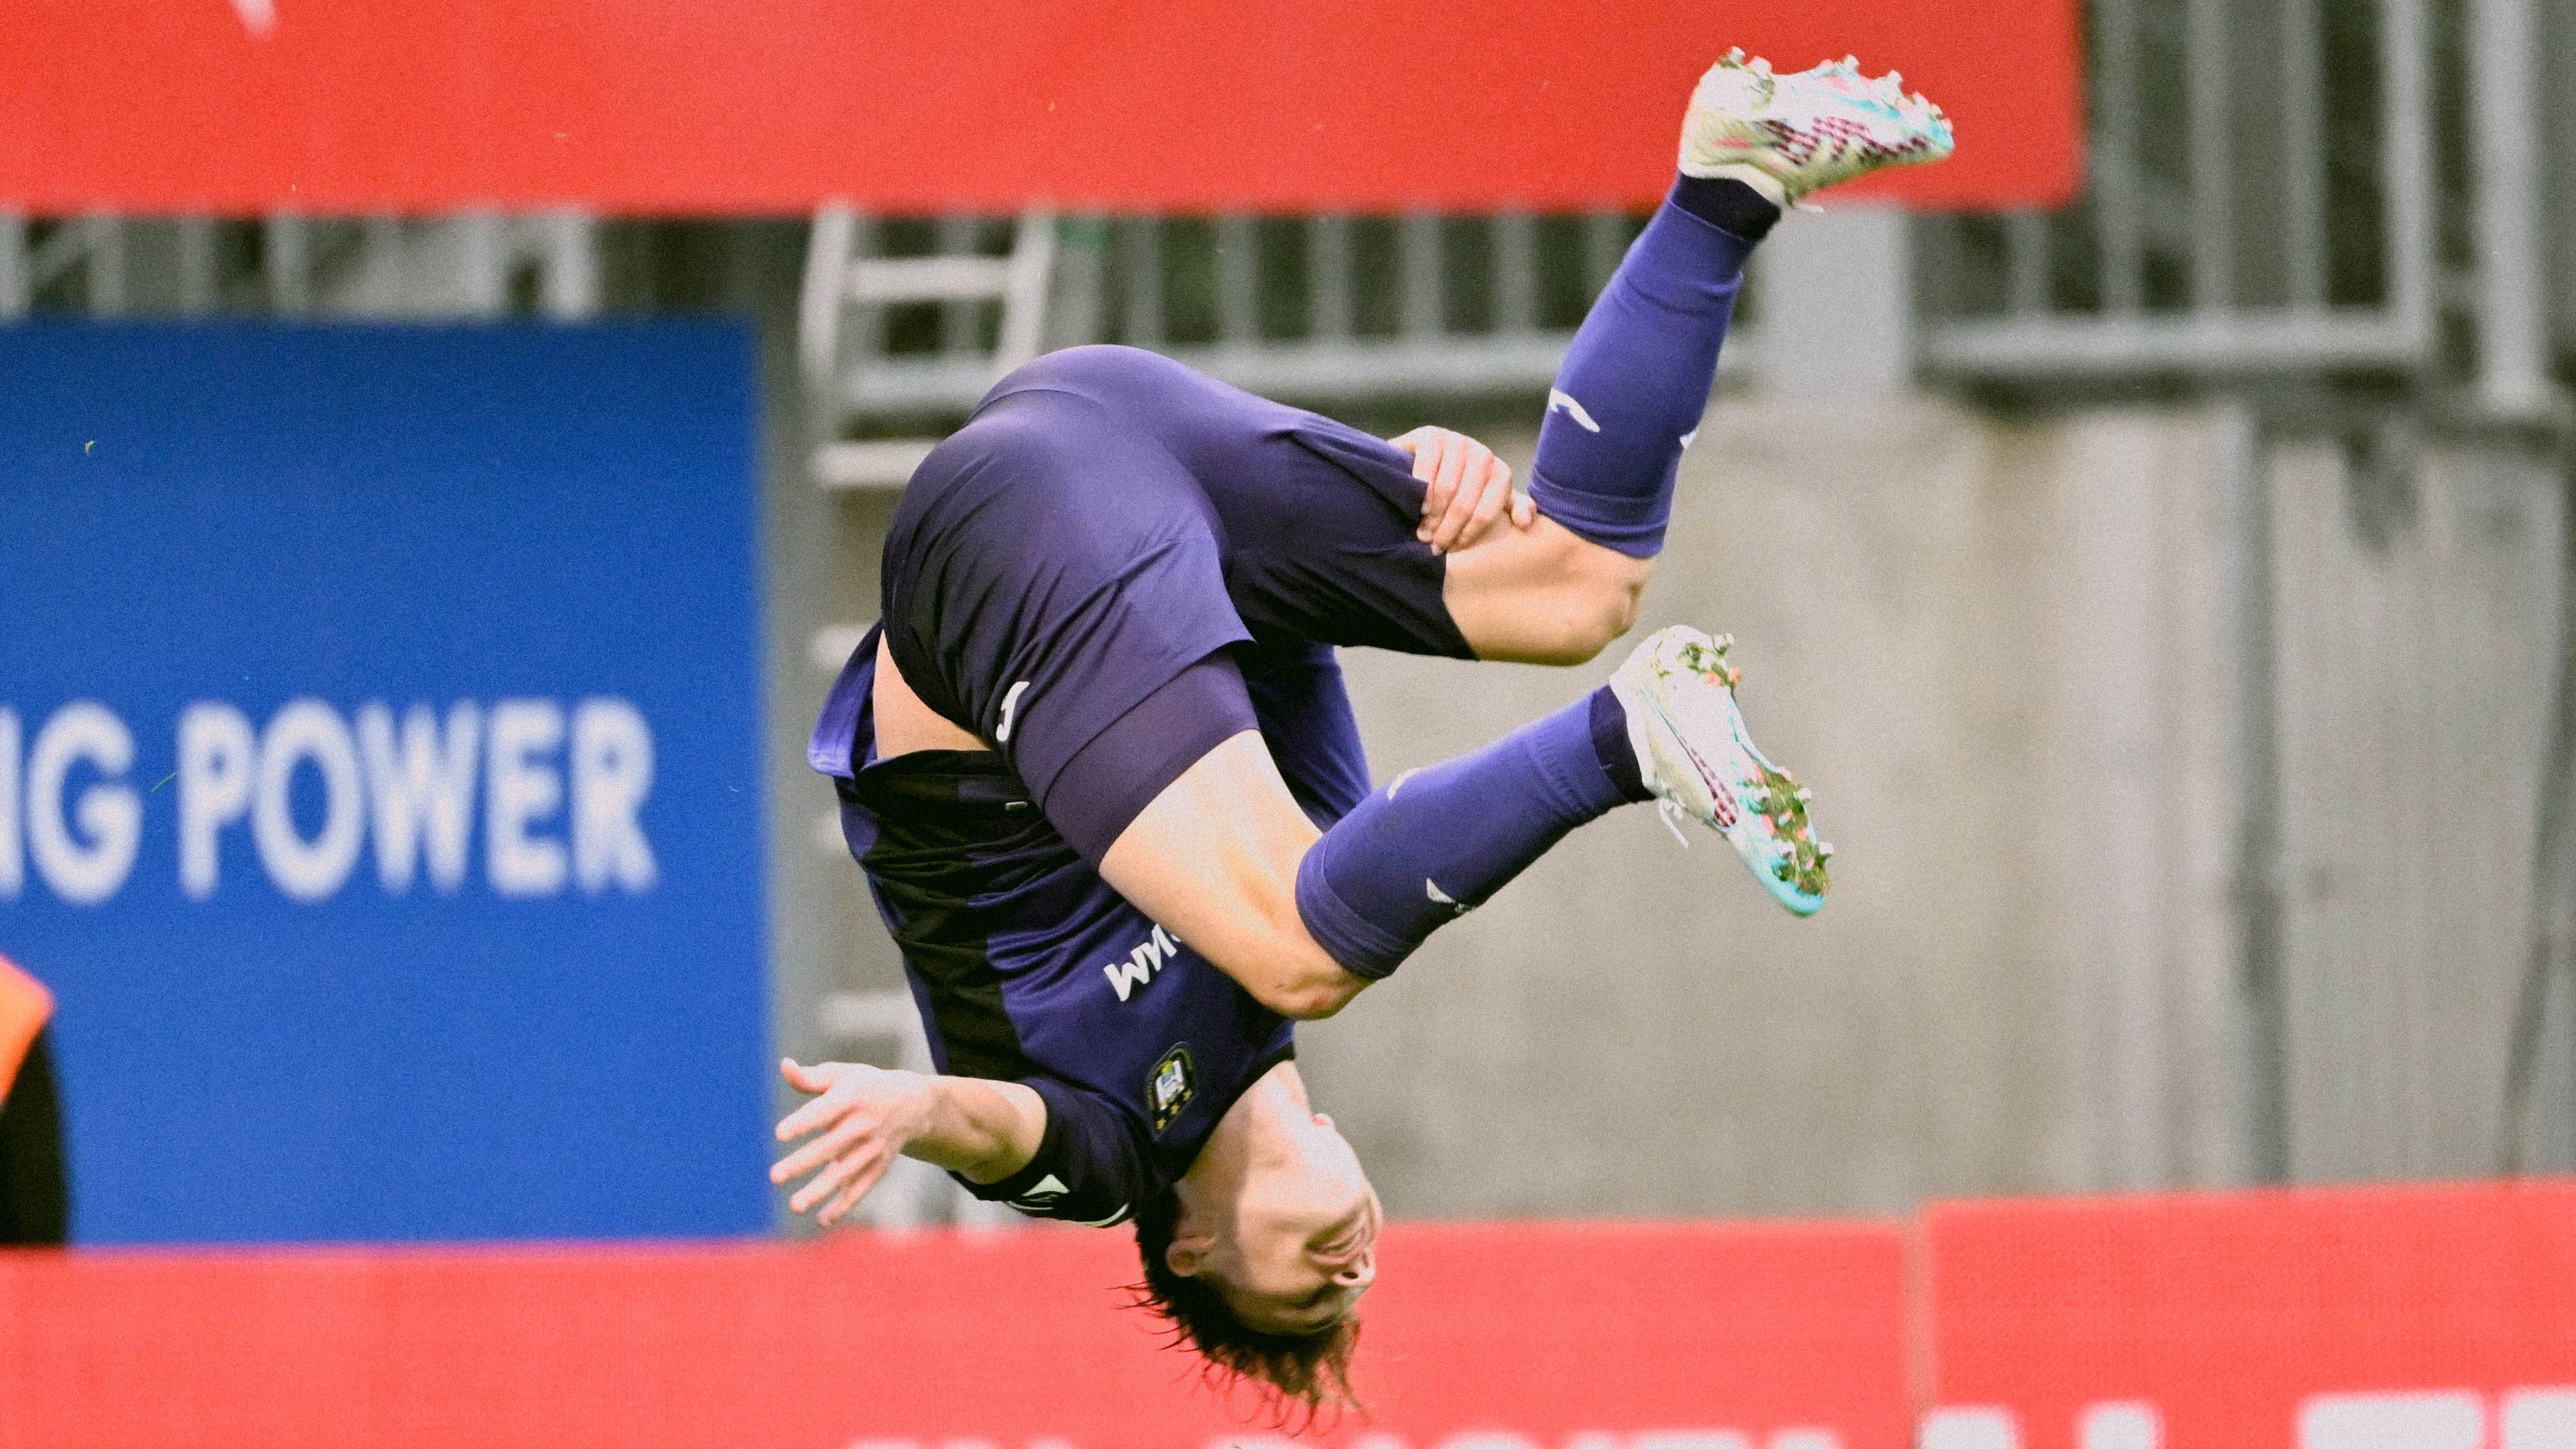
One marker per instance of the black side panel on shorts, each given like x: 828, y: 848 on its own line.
x: 942, y: 817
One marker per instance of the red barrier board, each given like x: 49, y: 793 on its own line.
x: 2415, y: 1315
x: 1573, y: 1335
x: 2435, y: 1318
x: 711, y: 106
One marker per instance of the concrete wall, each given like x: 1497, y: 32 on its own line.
x: 1988, y: 649
x: 2419, y: 620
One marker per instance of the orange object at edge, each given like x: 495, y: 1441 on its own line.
x: 25, y: 1007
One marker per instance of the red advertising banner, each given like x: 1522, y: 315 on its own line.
x: 2367, y: 1318
x: 1565, y: 1336
x: 703, y: 106
x: 2389, y: 1318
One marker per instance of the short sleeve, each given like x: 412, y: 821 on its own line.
x: 1089, y: 1168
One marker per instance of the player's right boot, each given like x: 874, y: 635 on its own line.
x: 1788, y: 135
x: 1679, y: 694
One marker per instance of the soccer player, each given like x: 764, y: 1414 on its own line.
x: 1099, y: 766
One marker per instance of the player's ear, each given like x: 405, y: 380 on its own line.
x: 1187, y: 1254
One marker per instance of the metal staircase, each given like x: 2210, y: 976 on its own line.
x: 841, y: 330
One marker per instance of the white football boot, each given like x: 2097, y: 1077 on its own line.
x: 1788, y: 135
x: 1679, y: 693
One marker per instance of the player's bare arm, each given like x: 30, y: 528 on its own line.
x: 862, y: 1116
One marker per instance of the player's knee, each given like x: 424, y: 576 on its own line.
x: 1597, y: 593
x: 1319, y: 998
x: 1299, y: 1006
x: 1604, y: 613
x: 1588, y: 615
x: 1311, y: 987
x: 1286, y: 969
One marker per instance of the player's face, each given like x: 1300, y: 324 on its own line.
x: 1301, y: 1244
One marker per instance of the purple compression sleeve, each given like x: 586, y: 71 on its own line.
x: 1110, y: 781
x: 1439, y: 840
x: 1637, y: 378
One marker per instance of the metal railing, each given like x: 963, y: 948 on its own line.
x: 2261, y: 196
x: 475, y: 265
x: 1324, y: 307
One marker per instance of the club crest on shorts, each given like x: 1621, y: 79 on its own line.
x: 1172, y: 1087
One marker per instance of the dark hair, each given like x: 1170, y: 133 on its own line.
x: 1302, y: 1374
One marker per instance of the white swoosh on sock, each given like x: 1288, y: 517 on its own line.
x: 1573, y: 410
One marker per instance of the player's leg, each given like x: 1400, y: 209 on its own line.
x: 1306, y: 918
x: 1625, y: 404
x: 1304, y: 713
x: 1629, y: 397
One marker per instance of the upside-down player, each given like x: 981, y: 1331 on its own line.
x: 1100, y: 769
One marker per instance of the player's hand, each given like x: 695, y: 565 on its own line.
x: 1464, y: 488
x: 864, y: 1114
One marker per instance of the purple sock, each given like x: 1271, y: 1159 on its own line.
x: 1441, y: 839
x: 1637, y: 377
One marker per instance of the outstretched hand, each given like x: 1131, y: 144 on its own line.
x: 865, y: 1115
x: 1465, y: 488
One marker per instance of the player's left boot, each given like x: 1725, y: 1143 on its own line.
x: 1788, y: 135
x: 1679, y: 694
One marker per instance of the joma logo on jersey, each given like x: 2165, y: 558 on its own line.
x: 1141, y: 963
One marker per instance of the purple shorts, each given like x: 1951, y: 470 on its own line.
x: 1099, y: 572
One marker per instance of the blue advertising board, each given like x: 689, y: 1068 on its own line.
x: 380, y: 786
